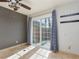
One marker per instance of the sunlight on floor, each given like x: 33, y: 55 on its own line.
x: 21, y: 53
x: 40, y: 54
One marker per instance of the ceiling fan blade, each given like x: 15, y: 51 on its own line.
x: 3, y: 0
x: 25, y: 6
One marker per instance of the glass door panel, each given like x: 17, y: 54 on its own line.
x: 36, y: 32
x: 46, y: 33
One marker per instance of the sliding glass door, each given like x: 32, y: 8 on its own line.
x: 42, y: 30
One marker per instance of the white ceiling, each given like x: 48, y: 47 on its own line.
x: 37, y: 5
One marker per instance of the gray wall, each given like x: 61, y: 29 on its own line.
x: 12, y: 28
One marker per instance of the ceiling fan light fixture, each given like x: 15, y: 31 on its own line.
x: 14, y: 4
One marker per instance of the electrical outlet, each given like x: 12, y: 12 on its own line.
x: 17, y: 42
x: 69, y: 47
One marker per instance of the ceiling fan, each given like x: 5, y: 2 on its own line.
x: 14, y: 4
